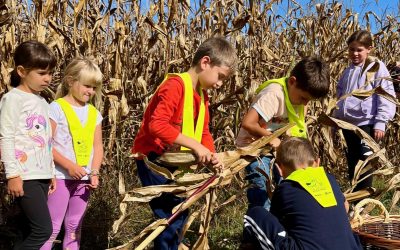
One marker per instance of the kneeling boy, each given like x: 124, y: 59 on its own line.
x: 307, y: 209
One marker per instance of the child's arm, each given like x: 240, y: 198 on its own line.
x: 339, y: 86
x: 97, y: 156
x: 251, y: 123
x: 53, y: 186
x: 203, y: 154
x: 10, y: 107
x: 169, y: 96
x: 385, y: 109
x: 208, y: 141
x: 74, y: 170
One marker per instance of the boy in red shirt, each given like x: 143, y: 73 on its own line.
x: 177, y: 116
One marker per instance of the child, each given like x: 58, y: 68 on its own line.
x: 308, y: 209
x: 25, y: 140
x: 78, y: 148
x: 278, y: 102
x: 370, y: 114
x: 180, y: 101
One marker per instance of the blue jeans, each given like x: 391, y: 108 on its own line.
x: 162, y: 207
x: 257, y: 193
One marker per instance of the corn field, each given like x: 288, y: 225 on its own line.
x: 136, y: 43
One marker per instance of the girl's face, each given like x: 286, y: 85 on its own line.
x: 358, y: 53
x: 34, y: 81
x: 81, y: 93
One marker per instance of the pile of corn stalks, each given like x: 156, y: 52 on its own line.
x: 136, y: 43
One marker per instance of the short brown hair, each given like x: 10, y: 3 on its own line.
x: 312, y: 76
x: 295, y: 151
x: 220, y: 52
x: 361, y: 36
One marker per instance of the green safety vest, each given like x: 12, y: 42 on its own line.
x: 82, y: 137
x: 188, y: 128
x: 316, y: 183
x: 300, y: 129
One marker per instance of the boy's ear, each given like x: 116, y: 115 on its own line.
x: 204, y: 62
x: 316, y: 162
x: 292, y: 81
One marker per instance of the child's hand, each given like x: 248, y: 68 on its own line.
x: 378, y: 134
x: 15, y: 187
x: 53, y: 185
x: 218, y: 166
x: 275, y: 143
x: 76, y: 171
x: 94, y: 181
x: 203, y: 154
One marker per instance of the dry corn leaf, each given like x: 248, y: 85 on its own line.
x: 117, y: 223
x: 206, y: 216
x: 395, y: 200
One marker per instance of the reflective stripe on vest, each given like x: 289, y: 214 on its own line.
x: 316, y: 183
x: 188, y: 128
x: 300, y: 129
x: 82, y: 137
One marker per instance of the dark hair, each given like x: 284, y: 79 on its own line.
x: 312, y: 76
x: 395, y: 71
x: 395, y: 74
x: 220, y: 52
x: 295, y: 151
x: 361, y: 36
x: 31, y: 55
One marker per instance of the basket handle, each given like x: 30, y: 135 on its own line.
x: 369, y: 201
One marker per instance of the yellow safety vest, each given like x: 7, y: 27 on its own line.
x: 188, y: 128
x: 300, y: 129
x: 82, y: 137
x: 316, y: 183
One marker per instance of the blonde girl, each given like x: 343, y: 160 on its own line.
x: 25, y: 140
x: 78, y: 149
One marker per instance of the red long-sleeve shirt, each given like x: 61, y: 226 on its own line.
x: 162, y: 120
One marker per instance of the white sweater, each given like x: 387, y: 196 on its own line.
x: 25, y: 136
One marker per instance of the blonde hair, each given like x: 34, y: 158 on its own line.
x: 86, y: 72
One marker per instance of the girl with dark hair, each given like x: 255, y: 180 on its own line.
x: 25, y: 140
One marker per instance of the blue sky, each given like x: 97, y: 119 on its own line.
x: 361, y: 6
x: 380, y: 7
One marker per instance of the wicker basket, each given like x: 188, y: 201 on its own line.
x: 379, y: 231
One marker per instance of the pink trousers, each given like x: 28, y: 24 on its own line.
x: 68, y: 204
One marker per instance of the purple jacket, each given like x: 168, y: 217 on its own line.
x: 375, y: 109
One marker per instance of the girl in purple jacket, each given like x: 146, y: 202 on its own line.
x: 370, y: 114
